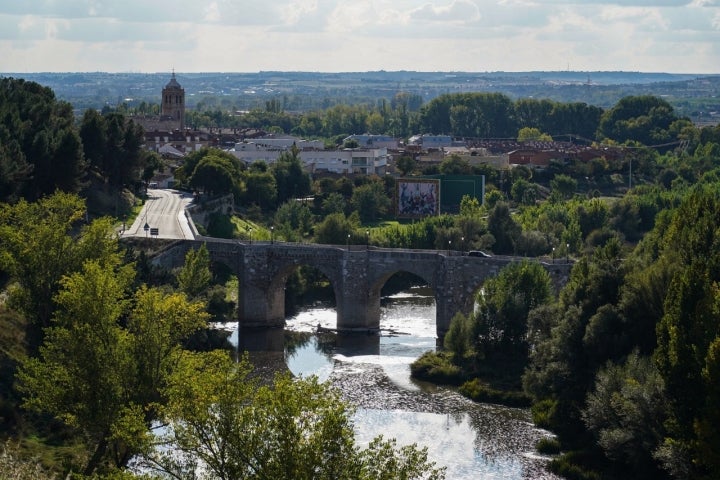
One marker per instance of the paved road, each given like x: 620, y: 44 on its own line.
x: 164, y: 210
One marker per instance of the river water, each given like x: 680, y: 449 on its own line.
x: 473, y: 441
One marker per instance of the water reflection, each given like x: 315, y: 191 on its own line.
x: 373, y: 372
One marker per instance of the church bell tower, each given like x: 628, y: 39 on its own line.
x: 173, y: 102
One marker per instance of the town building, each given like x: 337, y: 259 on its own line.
x: 173, y: 103
x: 374, y: 141
x: 429, y: 142
x: 362, y: 161
x: 172, y: 110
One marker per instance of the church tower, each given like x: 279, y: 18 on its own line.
x: 173, y: 103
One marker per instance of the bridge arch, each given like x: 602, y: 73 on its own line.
x: 277, y: 286
x: 378, y: 281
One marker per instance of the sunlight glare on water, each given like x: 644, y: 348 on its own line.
x: 471, y: 440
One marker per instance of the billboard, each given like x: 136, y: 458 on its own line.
x: 417, y: 197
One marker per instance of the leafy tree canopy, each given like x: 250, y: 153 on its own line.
x: 222, y: 419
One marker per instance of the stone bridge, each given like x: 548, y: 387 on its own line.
x: 356, y: 273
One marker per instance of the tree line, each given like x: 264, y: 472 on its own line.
x: 645, y: 119
x: 44, y: 148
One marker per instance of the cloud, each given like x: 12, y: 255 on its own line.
x: 295, y: 10
x: 459, y: 11
x: 333, y: 35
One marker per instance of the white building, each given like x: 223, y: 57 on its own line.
x: 364, y: 161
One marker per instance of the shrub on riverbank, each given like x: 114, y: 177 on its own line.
x: 569, y: 464
x: 479, y: 392
x: 548, y: 446
x: 436, y: 367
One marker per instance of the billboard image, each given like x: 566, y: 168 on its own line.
x: 417, y: 197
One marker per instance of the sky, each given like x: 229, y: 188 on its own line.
x: 674, y: 36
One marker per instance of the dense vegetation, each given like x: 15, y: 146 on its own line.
x: 622, y: 365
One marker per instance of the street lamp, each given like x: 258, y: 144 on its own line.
x: 347, y: 244
x: 567, y: 253
x: 272, y: 234
x: 553, y: 254
x: 250, y: 234
x: 462, y: 243
x: 367, y: 239
x: 449, y: 242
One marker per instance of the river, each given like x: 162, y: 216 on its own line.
x: 471, y: 440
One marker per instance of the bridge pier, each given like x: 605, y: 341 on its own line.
x: 261, y: 307
x: 358, y: 309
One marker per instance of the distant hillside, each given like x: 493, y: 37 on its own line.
x: 692, y: 95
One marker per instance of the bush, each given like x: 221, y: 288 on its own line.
x: 548, y: 446
x: 543, y: 413
x: 221, y: 226
x: 478, y: 392
x: 436, y: 368
x: 569, y: 466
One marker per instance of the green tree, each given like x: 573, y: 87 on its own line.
x: 37, y: 250
x: 455, y: 165
x: 459, y: 339
x: 644, y: 118
x: 524, y: 192
x: 261, y: 189
x: 470, y: 206
x: 626, y: 410
x: 293, y: 216
x: 485, y: 115
x: 493, y: 196
x: 98, y: 377
x: 84, y: 360
x: 39, y: 144
x: 334, y: 230
x: 293, y: 429
x: 564, y: 185
x: 591, y: 216
x: 569, y: 349
x: 689, y: 332
x: 406, y: 164
x: 532, y: 134
x: 333, y: 203
x: 114, y: 147
x: 195, y: 275
x: 291, y: 179
x: 502, y: 226
x: 370, y: 201
x: 216, y: 176
x: 191, y: 161
x: 504, y: 305
x: 531, y: 113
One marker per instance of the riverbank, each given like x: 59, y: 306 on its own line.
x: 489, y: 383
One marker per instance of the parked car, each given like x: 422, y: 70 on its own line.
x: 478, y: 253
